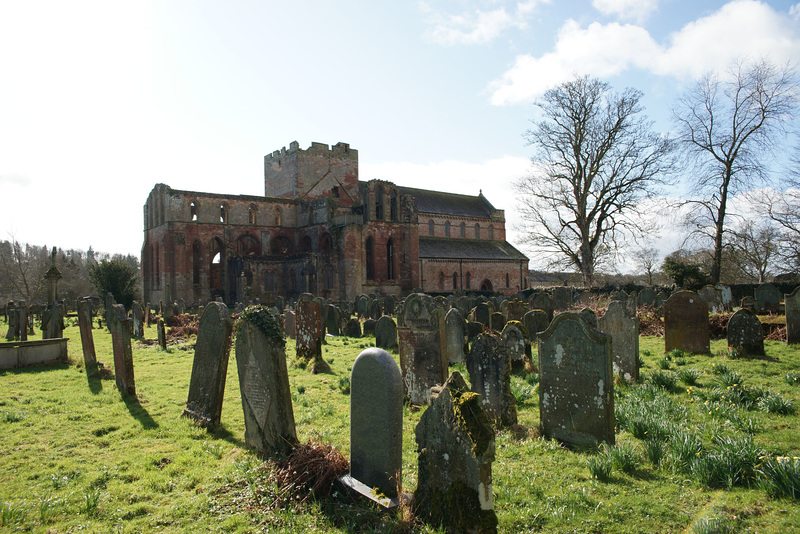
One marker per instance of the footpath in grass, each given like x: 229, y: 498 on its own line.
x: 705, y: 443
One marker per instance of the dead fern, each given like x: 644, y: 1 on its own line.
x: 309, y: 472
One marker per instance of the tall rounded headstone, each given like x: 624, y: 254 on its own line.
x: 745, y: 334
x: 792, y: 302
x: 686, y: 323
x: 376, y: 422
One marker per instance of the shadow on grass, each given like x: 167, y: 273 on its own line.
x: 221, y: 432
x: 35, y: 369
x: 139, y: 412
x: 95, y: 380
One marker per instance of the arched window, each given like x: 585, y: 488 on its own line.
x: 379, y: 203
x: 430, y: 227
x: 278, y: 216
x: 223, y: 213
x: 486, y: 285
x: 193, y: 211
x: 281, y: 246
x: 491, y: 232
x: 455, y: 280
x: 463, y: 231
x: 393, y: 206
x: 370, y: 253
x: 477, y: 231
x: 251, y: 214
x: 447, y: 229
x: 508, y: 280
x: 325, y: 244
x: 196, y: 262
x: 305, y: 245
x: 390, y: 259
x: 247, y: 245
x: 216, y: 254
x: 467, y: 280
x: 441, y: 280
x: 328, y: 277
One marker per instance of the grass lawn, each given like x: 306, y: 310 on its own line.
x: 700, y: 448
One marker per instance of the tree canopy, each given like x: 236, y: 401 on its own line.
x: 115, y: 276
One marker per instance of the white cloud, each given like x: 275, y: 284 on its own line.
x: 633, y: 10
x: 742, y: 28
x: 478, y: 26
x: 601, y: 50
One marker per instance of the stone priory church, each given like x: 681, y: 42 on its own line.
x: 319, y: 229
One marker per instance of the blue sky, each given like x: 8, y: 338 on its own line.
x: 101, y: 100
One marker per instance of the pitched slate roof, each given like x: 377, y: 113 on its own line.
x: 449, y: 203
x: 473, y: 249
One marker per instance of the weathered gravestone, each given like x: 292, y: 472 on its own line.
x: 352, y: 328
x: 686, y: 323
x: 623, y: 328
x: 792, y: 304
x: 535, y: 321
x: 562, y: 298
x: 455, y: 336
x: 497, y: 322
x: 308, y: 330
x: 489, y: 367
x: 138, y: 320
x: 646, y: 297
x: 590, y: 317
x: 516, y: 310
x: 121, y: 332
x: 768, y: 298
x: 290, y: 323
x: 455, y: 445
x: 210, y: 367
x: 13, y: 333
x: 388, y: 305
x: 362, y: 306
x: 334, y: 319
x: 423, y: 361
x: 576, y: 382
x: 515, y: 340
x: 745, y: 335
x: 162, y: 334
x: 369, y: 327
x: 375, y: 310
x: 748, y: 303
x: 87, y: 340
x: 542, y: 301
x: 385, y: 333
x: 481, y: 314
x: 376, y: 423
x: 52, y: 322
x: 264, y: 384
x: 712, y: 297
x: 726, y: 296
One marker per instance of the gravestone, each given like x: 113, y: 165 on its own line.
x: 210, y: 367
x: 481, y: 314
x: 473, y: 330
x: 289, y: 323
x: 489, y: 366
x: 516, y: 310
x: 376, y: 422
x: 686, y: 323
x: 138, y: 324
x: 542, y: 301
x: 455, y: 446
x: 334, y: 320
x: 792, y: 305
x: 388, y: 305
x: 455, y: 335
x: 375, y: 310
x: 121, y: 332
x: 423, y: 362
x: 726, y: 295
x: 13, y: 333
x: 712, y: 297
x: 535, y: 321
x: 585, y: 298
x: 385, y: 333
x: 368, y: 327
x: 748, y: 303
x: 162, y: 334
x: 308, y: 330
x: 497, y: 322
x: 647, y: 297
x: 87, y: 339
x: 264, y: 384
x: 352, y: 328
x: 590, y: 317
x: 52, y: 322
x: 768, y: 298
x: 624, y: 331
x: 515, y: 340
x: 562, y: 298
x: 745, y: 335
x: 576, y: 382
x: 362, y: 306
x: 278, y: 303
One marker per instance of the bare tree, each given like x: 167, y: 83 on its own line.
x: 22, y: 270
x: 647, y: 260
x: 727, y: 127
x: 595, y: 159
x: 752, y: 247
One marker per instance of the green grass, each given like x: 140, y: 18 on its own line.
x: 78, y: 458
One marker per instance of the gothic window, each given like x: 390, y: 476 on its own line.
x: 269, y: 281
x: 486, y: 285
x: 247, y: 245
x: 463, y: 230
x: 447, y: 229
x: 193, y: 211
x: 393, y: 206
x: 281, y: 246
x: 370, y: 253
x: 305, y: 245
x: 430, y: 227
x: 468, y: 278
x: 379, y: 203
x: 215, y: 271
x: 508, y: 280
x: 223, y: 213
x: 251, y: 214
x: 455, y: 280
x: 325, y: 245
x: 441, y: 280
x: 390, y: 260
x: 328, y: 277
x: 477, y: 231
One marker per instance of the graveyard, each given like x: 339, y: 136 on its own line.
x: 703, y: 441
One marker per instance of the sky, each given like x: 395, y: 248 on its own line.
x: 100, y: 101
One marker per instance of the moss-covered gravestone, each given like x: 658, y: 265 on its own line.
x: 686, y: 323
x: 423, y: 361
x: 542, y: 301
x: 623, y: 327
x: 745, y: 335
x: 386, y: 333
x: 309, y: 333
x: 489, y: 366
x: 576, y: 382
x: 792, y: 303
x: 456, y: 335
x: 376, y: 425
x: 264, y: 383
x: 210, y: 367
x: 515, y: 340
x: 455, y: 443
x: 482, y: 314
x: 535, y: 321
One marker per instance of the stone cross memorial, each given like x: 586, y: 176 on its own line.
x: 210, y: 367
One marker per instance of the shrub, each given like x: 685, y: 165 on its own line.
x: 344, y: 385
x: 729, y: 378
x: 714, y: 525
x: 521, y: 390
